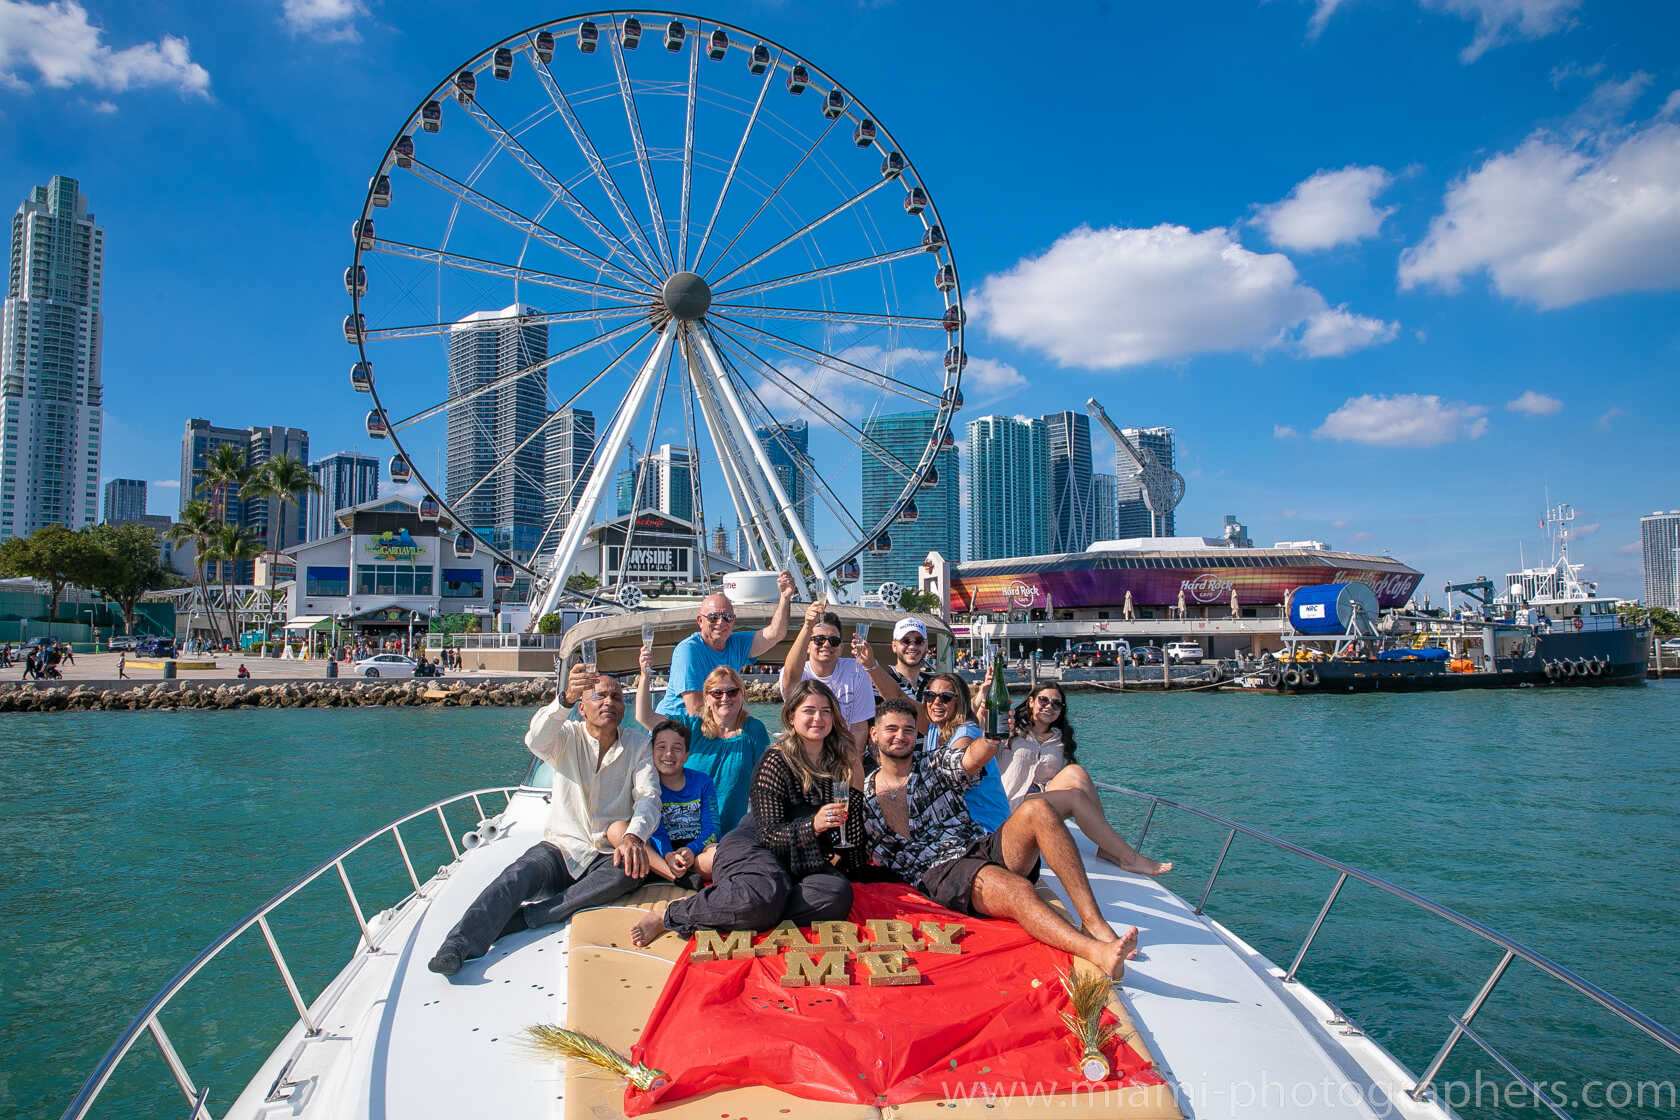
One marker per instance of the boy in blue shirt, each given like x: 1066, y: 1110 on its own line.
x: 688, y: 822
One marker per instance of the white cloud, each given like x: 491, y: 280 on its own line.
x: 1115, y: 297
x: 1404, y: 420
x: 166, y: 484
x: 1586, y: 530
x: 1328, y: 209
x: 1500, y: 21
x: 1671, y: 106
x: 328, y: 20
x: 57, y: 42
x: 1607, y: 418
x: 1322, y: 11
x: 1534, y: 404
x: 1632, y: 548
x: 1284, y: 431
x: 1338, y: 524
x: 990, y: 376
x: 1558, y: 225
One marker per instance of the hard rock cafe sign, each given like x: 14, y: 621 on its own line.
x: 1022, y: 594
x: 1207, y: 589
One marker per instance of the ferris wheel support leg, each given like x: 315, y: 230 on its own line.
x: 767, y: 473
x: 723, y: 446
x: 584, y: 514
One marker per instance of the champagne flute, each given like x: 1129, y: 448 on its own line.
x: 841, y: 798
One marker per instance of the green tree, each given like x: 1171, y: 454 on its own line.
x: 912, y: 600
x: 549, y: 624
x: 287, y: 479
x: 581, y: 581
x: 197, y: 526
x: 125, y: 566
x: 228, y: 469
x: 52, y: 554
x: 231, y: 546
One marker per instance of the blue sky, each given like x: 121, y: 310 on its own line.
x: 1391, y: 268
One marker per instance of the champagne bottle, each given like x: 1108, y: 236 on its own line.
x: 997, y: 701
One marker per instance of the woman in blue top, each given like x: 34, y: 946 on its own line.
x: 951, y: 728
x: 724, y: 741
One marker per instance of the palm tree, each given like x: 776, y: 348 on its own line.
x: 287, y: 479
x: 231, y: 546
x: 197, y: 526
x: 227, y: 468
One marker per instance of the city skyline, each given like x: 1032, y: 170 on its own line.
x: 1011, y: 508
x: 346, y: 478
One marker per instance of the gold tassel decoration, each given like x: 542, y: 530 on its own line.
x: 561, y: 1044
x: 1089, y: 993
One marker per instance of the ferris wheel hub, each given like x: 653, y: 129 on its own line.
x: 686, y: 296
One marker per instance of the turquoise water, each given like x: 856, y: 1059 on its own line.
x: 133, y: 839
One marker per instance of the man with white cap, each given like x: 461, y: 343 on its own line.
x: 910, y: 649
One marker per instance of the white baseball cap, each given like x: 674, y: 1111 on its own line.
x: 907, y: 625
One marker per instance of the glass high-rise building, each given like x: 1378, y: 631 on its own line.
x: 347, y: 479
x: 1104, y: 508
x: 667, y: 484
x: 570, y: 440
x: 1009, y: 488
x: 788, y: 447
x: 125, y: 501
x: 280, y: 524
x: 937, y: 528
x: 1659, y: 541
x: 1133, y: 518
x: 50, y: 387
x: 483, y: 347
x: 1071, y: 508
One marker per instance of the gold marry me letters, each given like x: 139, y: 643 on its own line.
x: 885, y: 958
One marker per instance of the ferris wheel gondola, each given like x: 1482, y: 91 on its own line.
x: 639, y: 278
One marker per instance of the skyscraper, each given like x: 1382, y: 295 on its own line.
x: 125, y: 500
x: 906, y: 436
x: 50, y: 388
x: 1009, y: 499
x: 666, y: 484
x: 1104, y: 510
x: 347, y: 479
x: 257, y: 445
x: 280, y: 524
x: 1659, y: 541
x: 788, y: 447
x: 1134, y: 519
x: 1071, y: 509
x: 484, y: 347
x: 571, y: 439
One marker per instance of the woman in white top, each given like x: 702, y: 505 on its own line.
x: 1037, y: 761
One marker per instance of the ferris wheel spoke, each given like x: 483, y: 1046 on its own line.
x: 770, y: 74
x: 541, y: 319
x: 553, y: 416
x: 813, y: 315
x: 820, y: 273
x: 846, y: 368
x: 586, y: 145
x: 688, y: 149
x: 508, y: 378
x: 786, y: 179
x: 643, y: 163
x: 614, y: 244
x: 791, y: 386
x: 803, y: 231
x: 529, y: 227
x: 507, y: 271
x: 639, y: 477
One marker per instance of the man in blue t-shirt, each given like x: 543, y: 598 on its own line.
x: 718, y: 643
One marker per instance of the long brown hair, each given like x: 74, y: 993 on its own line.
x: 833, y: 763
x: 1024, y: 723
x: 709, y: 726
x: 961, y: 713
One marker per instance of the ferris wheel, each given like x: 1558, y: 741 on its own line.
x: 624, y: 262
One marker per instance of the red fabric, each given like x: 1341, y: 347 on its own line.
x: 974, y: 1018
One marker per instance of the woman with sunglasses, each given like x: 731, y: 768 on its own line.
x: 725, y: 743
x: 791, y: 857
x: 1037, y: 761
x: 951, y: 727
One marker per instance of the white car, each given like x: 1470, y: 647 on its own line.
x: 1184, y: 653
x: 385, y: 665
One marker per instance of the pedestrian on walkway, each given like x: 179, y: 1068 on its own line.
x: 122, y: 666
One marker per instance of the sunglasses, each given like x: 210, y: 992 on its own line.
x: 1047, y: 701
x: 718, y: 616
x: 940, y: 697
x: 913, y: 640
x: 826, y: 640
x: 723, y: 693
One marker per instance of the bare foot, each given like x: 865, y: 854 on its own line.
x: 1135, y: 863
x: 1111, y: 958
x: 648, y: 929
x: 1129, y: 943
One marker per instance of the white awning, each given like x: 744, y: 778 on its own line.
x: 307, y: 622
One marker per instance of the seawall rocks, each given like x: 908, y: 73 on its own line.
x: 223, y: 696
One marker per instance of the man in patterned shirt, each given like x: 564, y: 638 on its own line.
x: 918, y: 826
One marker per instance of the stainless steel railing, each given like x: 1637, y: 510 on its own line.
x: 1460, y: 1024
x: 147, y: 1021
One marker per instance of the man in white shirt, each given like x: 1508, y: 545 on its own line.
x: 854, y: 680
x: 603, y: 777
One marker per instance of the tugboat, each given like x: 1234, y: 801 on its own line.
x: 1551, y: 628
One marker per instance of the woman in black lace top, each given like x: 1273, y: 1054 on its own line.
x: 782, y: 863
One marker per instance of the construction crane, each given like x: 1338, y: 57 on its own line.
x: 1163, y: 487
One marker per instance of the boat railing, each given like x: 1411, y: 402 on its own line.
x: 147, y: 1021
x: 1460, y: 1025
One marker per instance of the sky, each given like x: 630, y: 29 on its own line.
x: 1394, y: 270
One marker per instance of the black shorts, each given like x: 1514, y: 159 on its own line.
x: 951, y: 884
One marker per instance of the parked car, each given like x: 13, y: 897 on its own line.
x: 1184, y: 653
x: 120, y: 642
x: 1088, y: 655
x: 385, y: 665
x: 42, y: 641
x: 1671, y: 646
x: 156, y: 647
x: 1146, y: 655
